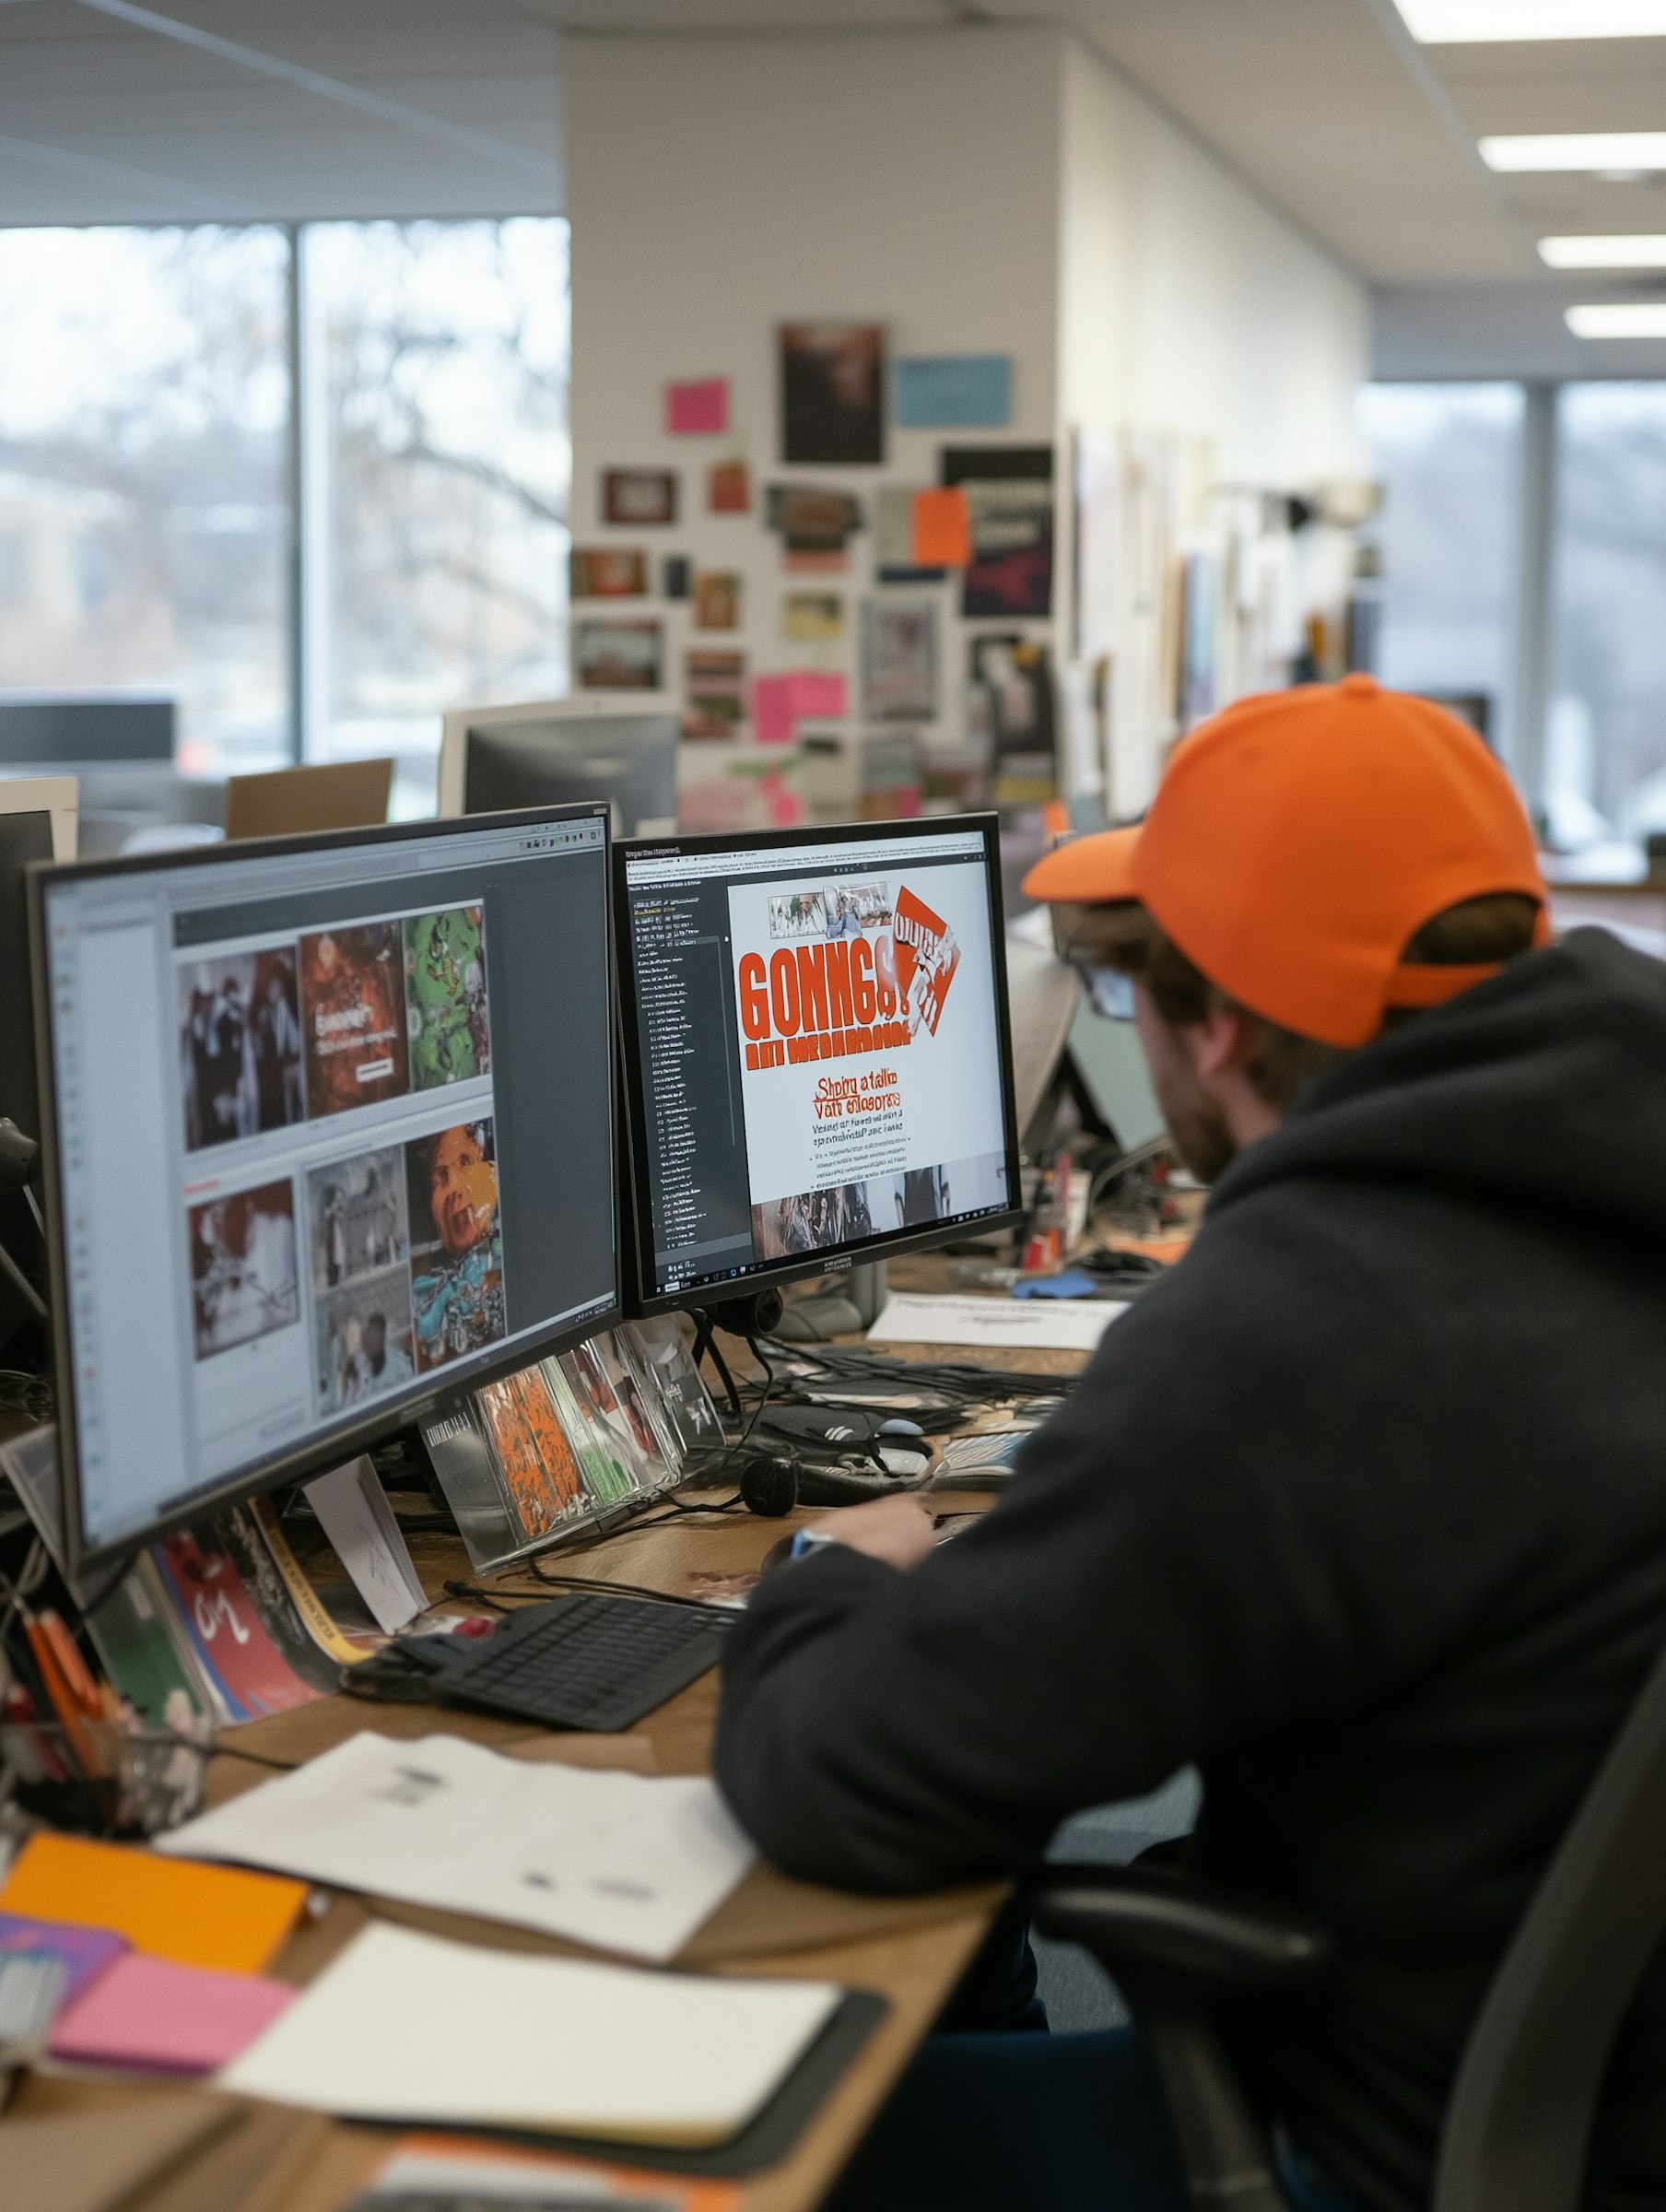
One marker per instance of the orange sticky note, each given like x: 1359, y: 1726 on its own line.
x: 943, y: 530
x: 178, y: 1909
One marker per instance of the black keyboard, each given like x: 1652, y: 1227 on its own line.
x: 584, y: 1662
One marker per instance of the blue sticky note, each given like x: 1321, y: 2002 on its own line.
x: 1073, y: 1283
x: 955, y: 391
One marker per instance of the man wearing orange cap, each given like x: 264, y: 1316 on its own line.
x: 1361, y: 1509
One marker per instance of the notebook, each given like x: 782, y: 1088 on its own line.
x: 152, y: 2015
x: 408, y: 2027
x: 197, y: 1915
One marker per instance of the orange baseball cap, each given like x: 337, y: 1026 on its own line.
x: 1300, y: 838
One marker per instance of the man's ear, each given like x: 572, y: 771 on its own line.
x: 1223, y: 1043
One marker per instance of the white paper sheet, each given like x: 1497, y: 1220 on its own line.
x: 353, y: 1510
x: 407, y: 2026
x: 628, y: 1862
x: 1054, y: 1324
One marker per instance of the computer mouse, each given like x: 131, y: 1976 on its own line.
x: 900, y: 1427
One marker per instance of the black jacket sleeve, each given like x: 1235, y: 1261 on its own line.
x: 1199, y: 1545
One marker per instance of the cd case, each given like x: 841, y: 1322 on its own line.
x: 566, y: 1443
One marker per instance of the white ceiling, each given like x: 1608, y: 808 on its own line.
x: 292, y: 108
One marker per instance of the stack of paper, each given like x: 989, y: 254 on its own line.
x: 1006, y: 1322
x: 407, y: 2027
x: 621, y: 1861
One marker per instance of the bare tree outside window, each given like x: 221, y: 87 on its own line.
x: 144, y: 404
x: 446, y: 462
x: 145, y: 451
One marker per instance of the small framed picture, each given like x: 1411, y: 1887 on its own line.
x: 899, y: 660
x: 812, y: 617
x: 642, y: 498
x: 607, y: 572
x: 618, y: 656
x: 716, y: 599
x: 676, y: 576
x: 729, y: 487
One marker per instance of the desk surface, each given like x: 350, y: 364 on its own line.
x: 912, y: 1950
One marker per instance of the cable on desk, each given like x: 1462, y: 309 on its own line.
x: 577, y: 1583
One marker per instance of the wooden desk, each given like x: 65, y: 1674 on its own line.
x: 912, y: 1950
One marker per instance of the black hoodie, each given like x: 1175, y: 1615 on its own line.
x: 1363, y: 1510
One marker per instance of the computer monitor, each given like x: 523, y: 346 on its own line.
x: 330, y: 1136
x: 558, y: 751
x: 818, y: 1061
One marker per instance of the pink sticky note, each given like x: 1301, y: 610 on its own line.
x: 157, y: 2017
x: 779, y: 701
x: 697, y: 408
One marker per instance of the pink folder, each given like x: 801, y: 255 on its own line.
x: 156, y: 2017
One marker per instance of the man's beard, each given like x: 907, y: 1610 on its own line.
x: 1198, y: 1128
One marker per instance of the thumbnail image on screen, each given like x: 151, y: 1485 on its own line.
x: 837, y: 1077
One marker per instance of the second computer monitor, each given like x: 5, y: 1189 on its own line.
x: 818, y: 1060
x: 560, y: 753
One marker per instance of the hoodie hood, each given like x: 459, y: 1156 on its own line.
x: 1545, y: 1087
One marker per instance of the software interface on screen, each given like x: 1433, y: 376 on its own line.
x: 305, y: 1107
x: 819, y: 1042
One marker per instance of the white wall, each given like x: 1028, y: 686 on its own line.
x: 1188, y: 304
x: 979, y: 189
x: 719, y: 186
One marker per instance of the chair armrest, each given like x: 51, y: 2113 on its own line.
x: 1155, y: 1921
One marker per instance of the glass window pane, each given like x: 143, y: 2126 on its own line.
x: 143, y: 530
x: 1450, y: 458
x: 1606, y: 740
x: 442, y: 473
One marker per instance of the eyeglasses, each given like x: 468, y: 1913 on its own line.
x: 1110, y: 992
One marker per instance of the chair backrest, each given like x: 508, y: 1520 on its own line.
x: 1518, y: 2129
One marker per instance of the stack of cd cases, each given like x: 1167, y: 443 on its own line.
x: 570, y: 1443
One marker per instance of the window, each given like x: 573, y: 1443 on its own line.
x: 437, y: 480
x: 148, y: 445
x: 1605, y: 736
x: 1448, y: 458
x: 144, y: 411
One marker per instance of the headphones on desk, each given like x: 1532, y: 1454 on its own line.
x: 803, y: 1456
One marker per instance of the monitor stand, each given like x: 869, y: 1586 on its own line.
x: 850, y: 1303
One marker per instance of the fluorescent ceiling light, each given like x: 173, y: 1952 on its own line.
x: 1602, y: 153
x: 1633, y: 319
x: 1647, y: 249
x: 1465, y: 22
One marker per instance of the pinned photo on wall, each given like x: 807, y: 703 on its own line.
x: 812, y: 617
x: 714, y: 693
x: 729, y: 487
x: 832, y: 393
x: 697, y: 407
x: 812, y: 522
x: 894, y: 559
x: 606, y: 572
x: 942, y: 529
x: 676, y: 576
x: 716, y: 599
x: 618, y: 656
x: 639, y: 496
x: 1009, y: 492
x: 898, y: 660
x: 955, y: 392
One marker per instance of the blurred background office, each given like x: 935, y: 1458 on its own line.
x: 365, y: 363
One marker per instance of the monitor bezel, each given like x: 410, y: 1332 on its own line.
x: 636, y: 1207
x: 344, y: 1444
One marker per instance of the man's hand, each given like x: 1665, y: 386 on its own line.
x: 898, y: 1530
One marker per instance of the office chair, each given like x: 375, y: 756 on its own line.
x: 1517, y: 2132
